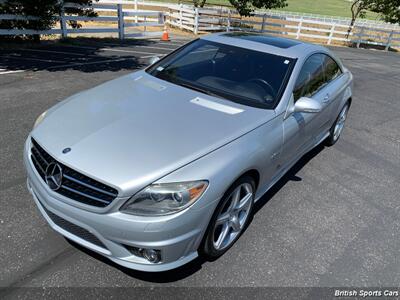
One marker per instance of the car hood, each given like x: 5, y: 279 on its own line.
x: 133, y: 130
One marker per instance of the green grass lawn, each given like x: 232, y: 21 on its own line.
x: 340, y: 8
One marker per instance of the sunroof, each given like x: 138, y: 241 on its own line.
x: 264, y: 39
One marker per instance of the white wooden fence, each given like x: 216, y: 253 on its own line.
x: 334, y: 19
x: 117, y: 17
x: 135, y: 14
x: 328, y: 31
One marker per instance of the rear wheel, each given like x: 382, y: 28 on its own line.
x: 230, y: 218
x: 337, y: 127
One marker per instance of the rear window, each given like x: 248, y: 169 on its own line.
x: 237, y: 74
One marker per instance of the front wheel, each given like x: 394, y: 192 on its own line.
x: 337, y: 127
x: 230, y: 218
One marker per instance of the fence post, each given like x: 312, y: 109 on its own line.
x: 360, y: 35
x: 136, y: 8
x: 228, y: 21
x: 161, y: 18
x: 196, y: 21
x: 264, y: 18
x: 120, y: 22
x: 331, y: 34
x: 389, y: 41
x: 299, y: 28
x: 180, y: 15
x: 63, y: 24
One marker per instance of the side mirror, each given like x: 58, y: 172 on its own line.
x: 307, y: 105
x: 153, y: 60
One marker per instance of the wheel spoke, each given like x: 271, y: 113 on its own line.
x: 243, y: 204
x: 222, y: 219
x: 235, y: 199
x: 222, y: 236
x: 235, y: 224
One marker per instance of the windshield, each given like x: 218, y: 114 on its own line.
x: 237, y: 74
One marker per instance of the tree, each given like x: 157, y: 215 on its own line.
x: 47, y: 12
x: 199, y: 3
x: 245, y: 7
x: 388, y: 9
x: 358, y: 9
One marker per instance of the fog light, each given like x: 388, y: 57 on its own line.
x: 151, y: 255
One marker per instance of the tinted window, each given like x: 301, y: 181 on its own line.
x: 311, y: 77
x: 332, y: 70
x: 237, y: 74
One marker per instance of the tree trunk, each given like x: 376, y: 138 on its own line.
x: 353, y: 20
x: 356, y: 8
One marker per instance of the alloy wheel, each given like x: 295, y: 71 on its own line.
x: 232, y: 218
x: 340, y: 123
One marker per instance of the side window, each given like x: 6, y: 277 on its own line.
x: 332, y: 70
x: 311, y: 77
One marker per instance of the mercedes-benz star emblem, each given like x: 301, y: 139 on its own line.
x: 53, y: 176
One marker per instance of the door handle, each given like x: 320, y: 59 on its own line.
x: 326, y: 98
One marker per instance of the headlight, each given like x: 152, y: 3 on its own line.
x: 40, y: 119
x: 164, y: 199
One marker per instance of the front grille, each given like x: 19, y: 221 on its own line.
x: 74, y: 185
x: 74, y: 229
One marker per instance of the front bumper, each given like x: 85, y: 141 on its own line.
x: 112, y: 233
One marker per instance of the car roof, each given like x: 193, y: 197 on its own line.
x: 266, y: 43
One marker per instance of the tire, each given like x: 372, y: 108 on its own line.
x: 235, y: 220
x: 337, y: 127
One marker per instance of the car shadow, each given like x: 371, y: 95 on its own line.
x: 195, y: 265
x: 289, y: 176
x: 79, y: 54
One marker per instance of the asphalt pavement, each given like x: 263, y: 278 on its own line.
x: 331, y: 221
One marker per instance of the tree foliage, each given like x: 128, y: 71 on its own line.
x: 388, y: 9
x: 245, y: 7
x: 47, y: 12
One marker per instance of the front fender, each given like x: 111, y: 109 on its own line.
x: 256, y: 150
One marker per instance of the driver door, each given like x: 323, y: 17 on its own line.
x: 302, y: 129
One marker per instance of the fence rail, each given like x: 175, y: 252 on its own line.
x: 326, y: 31
x: 133, y: 15
x: 122, y: 18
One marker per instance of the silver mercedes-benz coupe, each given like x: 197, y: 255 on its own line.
x: 161, y: 165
